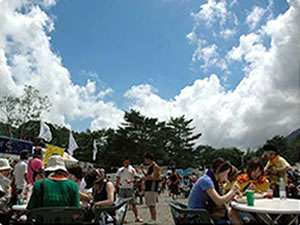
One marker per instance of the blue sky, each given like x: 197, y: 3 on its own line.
x: 228, y: 65
x: 125, y: 42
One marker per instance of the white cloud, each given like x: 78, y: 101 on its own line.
x: 26, y: 58
x: 250, y: 48
x: 255, y: 16
x: 211, y: 11
x: 209, y: 55
x: 192, y: 37
x: 265, y: 103
x: 205, y: 53
x: 228, y: 33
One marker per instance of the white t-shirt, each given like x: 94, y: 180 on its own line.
x: 127, y: 177
x: 19, y: 173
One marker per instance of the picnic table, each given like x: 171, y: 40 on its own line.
x: 270, y: 211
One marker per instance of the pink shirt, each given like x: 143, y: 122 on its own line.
x: 33, y: 165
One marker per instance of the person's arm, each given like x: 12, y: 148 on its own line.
x: 156, y: 174
x: 267, y: 166
x: 35, y: 197
x: 110, y: 196
x: 117, y: 184
x: 221, y: 200
x: 84, y: 197
x: 76, y: 197
x: 285, y: 166
x: 143, y: 171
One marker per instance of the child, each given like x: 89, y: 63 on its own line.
x: 276, y: 168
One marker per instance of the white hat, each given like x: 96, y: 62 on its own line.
x: 56, y: 162
x: 4, y: 165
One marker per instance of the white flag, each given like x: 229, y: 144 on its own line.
x: 45, y: 132
x: 72, y: 144
x: 95, y: 150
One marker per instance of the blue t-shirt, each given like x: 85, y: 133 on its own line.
x: 198, y: 197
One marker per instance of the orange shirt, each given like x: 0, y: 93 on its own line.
x: 261, y: 184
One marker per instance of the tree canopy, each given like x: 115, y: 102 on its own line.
x: 172, y: 142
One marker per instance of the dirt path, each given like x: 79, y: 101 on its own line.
x: 163, y: 212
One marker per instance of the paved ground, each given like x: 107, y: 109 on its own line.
x: 164, y: 214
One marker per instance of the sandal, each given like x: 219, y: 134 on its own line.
x: 139, y: 220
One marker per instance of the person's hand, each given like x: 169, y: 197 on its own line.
x: 236, y: 190
x: 272, y: 171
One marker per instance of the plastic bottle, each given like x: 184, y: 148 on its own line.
x: 20, y: 200
x: 282, y: 190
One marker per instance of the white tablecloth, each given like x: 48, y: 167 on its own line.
x: 270, y: 206
x: 19, y: 207
x: 270, y: 211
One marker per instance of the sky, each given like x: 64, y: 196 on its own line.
x: 231, y: 66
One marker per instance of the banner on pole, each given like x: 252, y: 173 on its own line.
x: 52, y: 150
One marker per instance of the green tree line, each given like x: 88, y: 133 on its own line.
x: 172, y: 142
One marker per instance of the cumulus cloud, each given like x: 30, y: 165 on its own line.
x: 250, y: 48
x: 207, y: 54
x: 26, y: 58
x: 265, y: 103
x: 211, y: 11
x: 227, y: 33
x: 255, y: 16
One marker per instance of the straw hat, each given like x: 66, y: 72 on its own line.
x: 4, y: 165
x: 56, y: 162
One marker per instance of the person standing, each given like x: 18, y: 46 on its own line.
x: 125, y: 180
x: 174, y: 181
x: 5, y: 191
x: 35, y: 165
x: 152, y: 178
x: 20, y: 172
x: 277, y: 167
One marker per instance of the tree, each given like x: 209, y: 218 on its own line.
x: 27, y: 107
x: 182, y: 140
x: 9, y: 111
x: 134, y: 137
x: 32, y: 105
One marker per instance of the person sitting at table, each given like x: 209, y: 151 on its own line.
x: 56, y: 190
x: 76, y: 174
x: 232, y: 176
x: 206, y: 193
x: 102, y: 189
x: 254, y: 178
x: 276, y: 168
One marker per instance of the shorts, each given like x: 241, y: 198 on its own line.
x: 127, y: 193
x: 151, y: 198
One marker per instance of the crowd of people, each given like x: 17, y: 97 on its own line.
x: 36, y: 184
x: 54, y: 184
